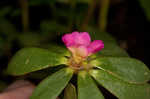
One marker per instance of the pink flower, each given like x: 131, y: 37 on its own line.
x: 80, y: 44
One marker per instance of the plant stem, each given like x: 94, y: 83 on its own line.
x: 91, y: 8
x: 104, y: 7
x: 25, y: 14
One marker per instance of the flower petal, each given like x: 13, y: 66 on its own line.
x: 95, y: 46
x: 83, y: 39
x: 69, y: 39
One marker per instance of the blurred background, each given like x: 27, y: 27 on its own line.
x: 26, y: 23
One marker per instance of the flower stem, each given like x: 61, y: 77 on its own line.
x: 25, y: 15
x: 104, y: 7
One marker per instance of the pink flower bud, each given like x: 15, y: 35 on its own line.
x: 80, y: 44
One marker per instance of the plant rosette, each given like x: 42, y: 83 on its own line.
x: 124, y: 77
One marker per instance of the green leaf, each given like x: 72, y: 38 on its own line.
x: 145, y: 4
x: 87, y: 88
x: 32, y: 59
x: 53, y: 85
x: 119, y: 88
x: 127, y: 69
x: 70, y: 92
x: 111, y: 49
x: 54, y: 48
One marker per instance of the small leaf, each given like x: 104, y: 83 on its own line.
x: 119, y: 88
x: 32, y: 59
x: 87, y: 88
x: 52, y: 86
x: 127, y: 69
x: 70, y: 92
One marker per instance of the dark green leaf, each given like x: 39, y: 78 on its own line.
x: 70, y: 92
x: 112, y: 49
x: 32, y: 59
x: 127, y: 69
x: 54, y: 48
x: 53, y: 85
x: 87, y: 88
x: 119, y: 88
x: 110, y: 45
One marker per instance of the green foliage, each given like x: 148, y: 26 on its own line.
x: 110, y: 45
x: 87, y: 88
x: 53, y: 85
x: 112, y: 49
x: 127, y: 69
x: 58, y: 49
x: 145, y: 4
x: 119, y: 88
x: 124, y: 77
x: 33, y: 59
x: 98, y: 35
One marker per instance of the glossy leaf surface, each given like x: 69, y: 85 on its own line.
x: 127, y: 69
x: 52, y: 86
x: 32, y: 59
x: 87, y: 88
x: 119, y: 88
